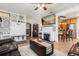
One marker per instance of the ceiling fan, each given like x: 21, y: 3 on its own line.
x: 41, y: 6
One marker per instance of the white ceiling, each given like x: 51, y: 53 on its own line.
x: 28, y: 8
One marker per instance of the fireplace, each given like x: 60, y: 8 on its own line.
x: 48, y: 33
x: 46, y: 36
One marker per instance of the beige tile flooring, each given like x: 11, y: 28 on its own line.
x: 61, y: 46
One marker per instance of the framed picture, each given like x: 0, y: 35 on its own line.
x: 14, y: 17
x: 48, y: 20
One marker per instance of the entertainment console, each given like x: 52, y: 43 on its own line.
x: 40, y: 48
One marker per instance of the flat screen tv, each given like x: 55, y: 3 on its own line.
x: 48, y: 20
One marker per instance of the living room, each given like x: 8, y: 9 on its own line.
x: 39, y: 29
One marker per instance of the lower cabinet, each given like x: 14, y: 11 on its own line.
x: 19, y: 38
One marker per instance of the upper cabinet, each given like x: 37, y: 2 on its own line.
x: 13, y: 17
x: 4, y: 19
x: 17, y: 18
x: 6, y: 22
x: 11, y: 24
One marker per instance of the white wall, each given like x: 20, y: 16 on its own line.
x: 77, y: 31
x: 70, y: 12
x: 56, y: 25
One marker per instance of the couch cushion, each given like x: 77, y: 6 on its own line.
x: 4, y: 48
x: 4, y: 41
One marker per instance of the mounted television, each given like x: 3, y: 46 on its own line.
x: 48, y: 20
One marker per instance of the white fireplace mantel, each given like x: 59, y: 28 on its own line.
x: 50, y: 30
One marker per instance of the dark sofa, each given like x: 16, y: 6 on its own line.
x: 8, y: 47
x: 74, y: 50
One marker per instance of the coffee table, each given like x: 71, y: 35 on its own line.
x: 42, y: 48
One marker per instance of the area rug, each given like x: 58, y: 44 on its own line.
x: 26, y: 51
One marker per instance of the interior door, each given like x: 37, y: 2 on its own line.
x: 35, y: 30
x: 28, y: 30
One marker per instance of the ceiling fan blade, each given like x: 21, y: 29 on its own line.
x: 36, y: 8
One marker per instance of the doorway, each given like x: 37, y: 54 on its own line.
x: 67, y: 29
x: 28, y: 29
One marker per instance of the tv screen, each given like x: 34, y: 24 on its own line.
x: 48, y: 20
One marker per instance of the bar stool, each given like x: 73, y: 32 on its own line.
x: 64, y: 35
x: 69, y: 35
x: 60, y: 35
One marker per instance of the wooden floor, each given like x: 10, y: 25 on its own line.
x: 26, y: 42
x: 64, y: 46
x: 61, y: 46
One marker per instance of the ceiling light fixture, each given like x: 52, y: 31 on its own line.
x: 41, y: 6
